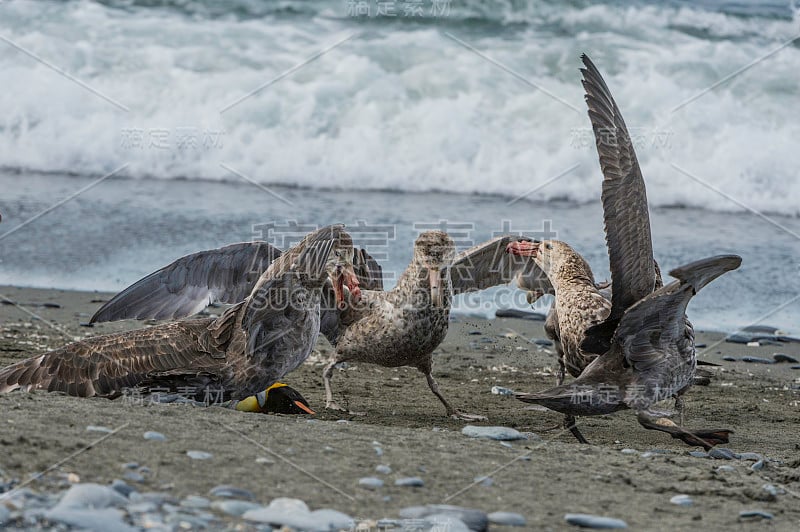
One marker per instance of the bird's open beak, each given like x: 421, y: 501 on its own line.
x: 523, y: 248
x: 304, y: 408
x: 345, y: 276
x: 435, y: 279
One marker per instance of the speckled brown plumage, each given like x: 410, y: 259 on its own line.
x: 244, y: 351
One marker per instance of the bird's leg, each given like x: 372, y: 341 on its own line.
x: 571, y: 424
x: 696, y: 438
x: 327, y: 374
x: 452, y: 412
x: 680, y: 406
x: 562, y: 371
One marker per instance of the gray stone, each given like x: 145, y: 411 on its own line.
x: 328, y: 519
x: 472, y: 518
x: 594, y: 521
x: 284, y: 512
x: 415, y: 482
x: 725, y: 469
x: 265, y: 460
x: 755, y: 513
x: 105, y: 519
x: 142, y: 508
x: 699, y: 454
x: 720, y: 453
x: 383, y: 469
x: 758, y: 466
x: 154, y: 436
x: 89, y: 495
x: 755, y: 457
x: 757, y: 360
x: 484, y: 481
x: 629, y: 451
x: 234, y: 507
x: 121, y: 487
x: 371, y: 483
x: 681, y: 500
x: 133, y: 476
x: 195, y: 501
x: 199, y: 455
x: 5, y: 515
x: 98, y: 428
x: 729, y: 358
x: 499, y: 390
x: 130, y: 465
x: 446, y: 523
x: 189, y: 521
x: 507, y: 519
x: 494, y: 433
x: 232, y: 492
x: 783, y: 357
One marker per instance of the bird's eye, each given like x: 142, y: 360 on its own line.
x: 549, y: 246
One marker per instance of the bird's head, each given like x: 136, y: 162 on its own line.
x: 434, y: 252
x: 277, y: 399
x: 549, y: 255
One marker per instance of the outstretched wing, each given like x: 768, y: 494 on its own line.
x: 174, y: 352
x: 188, y: 285
x: 627, y: 221
x: 488, y: 264
x: 652, y: 333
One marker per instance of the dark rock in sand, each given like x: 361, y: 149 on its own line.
x: 729, y: 358
x: 757, y: 360
x: 782, y: 357
x: 232, y: 492
x: 519, y: 314
x: 745, y: 514
x: 544, y: 342
x: 594, y: 521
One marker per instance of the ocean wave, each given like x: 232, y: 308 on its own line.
x: 410, y: 107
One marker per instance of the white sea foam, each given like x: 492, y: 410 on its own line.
x: 403, y: 106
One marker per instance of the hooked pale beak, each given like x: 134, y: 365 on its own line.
x: 435, y: 280
x: 345, y: 276
x: 523, y: 248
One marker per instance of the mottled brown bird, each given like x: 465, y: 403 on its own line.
x: 403, y: 326
x: 244, y: 351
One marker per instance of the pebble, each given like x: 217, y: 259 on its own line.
x: 333, y: 520
x: 294, y: 513
x: 499, y: 390
x: 195, y: 501
x: 720, y: 453
x: 199, y: 455
x: 232, y: 492
x: 90, y: 495
x: 757, y: 360
x: 699, y: 454
x: 543, y: 342
x: 484, y: 481
x: 629, y: 451
x: 371, y: 483
x: 507, y: 519
x: 782, y: 357
x: 234, y: 507
x: 414, y: 482
x: 681, y: 500
x: 130, y: 465
x: 154, y: 436
x: 121, y: 487
x: 378, y: 451
x: 796, y: 367
x: 133, y: 476
x: 725, y: 469
x: 494, y: 433
x: 594, y: 521
x: 446, y: 523
x: 265, y: 460
x: 141, y: 507
x: 758, y: 466
x: 106, y: 519
x: 729, y: 358
x: 473, y: 519
x: 5, y: 515
x: 98, y: 428
x: 383, y: 469
x: 755, y: 513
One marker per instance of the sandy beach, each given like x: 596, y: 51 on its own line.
x: 627, y: 472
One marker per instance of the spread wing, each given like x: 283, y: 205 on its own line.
x: 104, y: 365
x: 489, y: 264
x: 191, y: 283
x: 654, y: 330
x: 627, y: 221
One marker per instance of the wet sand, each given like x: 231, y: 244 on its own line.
x: 551, y: 476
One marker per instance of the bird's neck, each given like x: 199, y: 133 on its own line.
x: 572, y: 274
x: 416, y: 280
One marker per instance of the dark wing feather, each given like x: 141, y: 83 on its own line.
x: 654, y: 329
x: 165, y: 355
x: 368, y: 271
x: 627, y: 221
x: 488, y: 264
x: 191, y: 283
